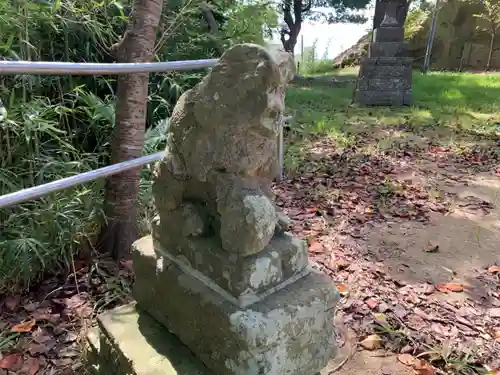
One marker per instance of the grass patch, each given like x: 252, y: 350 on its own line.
x: 447, y: 106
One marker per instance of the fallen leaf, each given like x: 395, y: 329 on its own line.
x: 406, y: 349
x: 432, y: 248
x: 12, y: 302
x: 406, y: 359
x: 26, y: 326
x: 74, y: 301
x: 400, y: 311
x: 371, y: 303
x: 31, y: 366
x: 383, y: 307
x: 497, y: 335
x: 342, y: 289
x: 424, y: 288
x: 423, y: 368
x: 341, y: 263
x: 36, y: 349
x: 494, y: 269
x: 372, y: 342
x: 315, y: 247
x: 30, y: 307
x: 12, y: 362
x: 62, y: 362
x: 494, y: 312
x: 40, y: 336
x: 450, y: 287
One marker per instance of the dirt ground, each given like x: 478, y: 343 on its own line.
x: 412, y: 240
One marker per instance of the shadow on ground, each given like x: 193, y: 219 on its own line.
x: 397, y: 202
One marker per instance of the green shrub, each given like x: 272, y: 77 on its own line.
x: 54, y: 127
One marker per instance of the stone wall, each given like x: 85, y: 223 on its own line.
x: 458, y: 43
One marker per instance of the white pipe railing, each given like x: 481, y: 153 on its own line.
x: 69, y: 68
x: 82, y: 178
x: 65, y: 68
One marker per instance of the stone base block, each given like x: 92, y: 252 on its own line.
x: 386, y: 67
x: 130, y: 342
x: 388, y: 34
x: 384, y: 98
x: 290, y: 332
x: 389, y: 84
x: 385, y: 81
x: 246, y: 279
x: 388, y: 49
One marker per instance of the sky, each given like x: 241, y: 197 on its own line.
x: 331, y: 39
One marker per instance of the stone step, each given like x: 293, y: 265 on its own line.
x: 127, y: 341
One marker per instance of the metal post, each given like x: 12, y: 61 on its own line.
x: 280, y: 149
x: 301, y: 50
x: 281, y: 145
x: 432, y: 34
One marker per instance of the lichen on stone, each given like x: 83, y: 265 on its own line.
x: 222, y: 154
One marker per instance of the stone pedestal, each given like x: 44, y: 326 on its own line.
x: 128, y: 341
x: 288, y: 332
x: 220, y: 271
x: 385, y: 76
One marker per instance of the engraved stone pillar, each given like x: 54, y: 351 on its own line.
x: 221, y: 271
x: 385, y: 76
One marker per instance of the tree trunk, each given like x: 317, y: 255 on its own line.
x: 289, y: 44
x: 213, y: 27
x: 294, y: 23
x: 137, y: 45
x: 490, y: 52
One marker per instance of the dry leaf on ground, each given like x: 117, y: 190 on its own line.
x: 341, y: 263
x: 12, y: 302
x: 494, y: 269
x: 372, y: 342
x: 31, y: 366
x: 342, y: 289
x: 371, y: 303
x: 315, y: 247
x: 423, y: 368
x: 432, y: 248
x: 406, y: 359
x: 12, y: 362
x: 450, y: 287
x: 26, y: 326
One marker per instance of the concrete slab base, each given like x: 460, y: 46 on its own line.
x: 290, y: 332
x: 129, y: 342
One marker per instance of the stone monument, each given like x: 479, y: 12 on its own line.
x: 221, y: 272
x: 385, y: 75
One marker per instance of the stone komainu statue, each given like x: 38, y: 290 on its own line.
x: 220, y: 271
x: 222, y: 151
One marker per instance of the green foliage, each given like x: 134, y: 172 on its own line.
x: 310, y: 65
x: 415, y: 21
x: 54, y: 127
x: 338, y: 10
x: 490, y: 17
